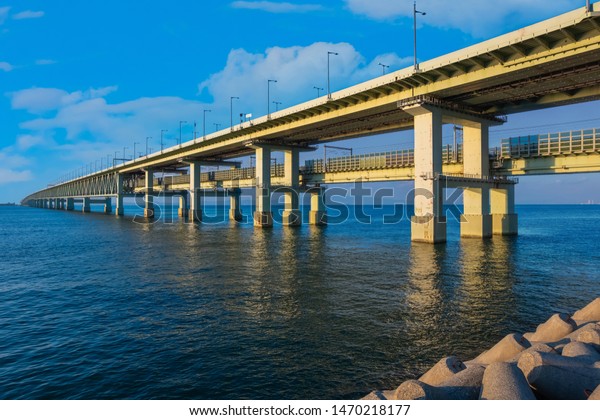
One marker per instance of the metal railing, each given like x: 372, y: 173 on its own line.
x: 551, y: 144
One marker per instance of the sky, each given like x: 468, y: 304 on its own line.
x: 80, y: 80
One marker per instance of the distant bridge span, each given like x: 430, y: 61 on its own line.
x: 552, y: 63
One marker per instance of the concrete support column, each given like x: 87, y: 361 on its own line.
x: 476, y: 221
x: 317, y: 215
x: 263, y: 216
x: 119, y: 211
x: 429, y: 222
x: 149, y: 197
x: 504, y: 219
x: 182, y: 210
x: 70, y: 204
x: 56, y: 203
x: 195, y: 212
x: 291, y: 213
x: 108, y: 205
x: 235, y: 210
x: 86, y: 208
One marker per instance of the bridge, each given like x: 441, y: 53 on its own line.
x: 552, y: 63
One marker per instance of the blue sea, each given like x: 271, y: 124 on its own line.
x: 98, y: 307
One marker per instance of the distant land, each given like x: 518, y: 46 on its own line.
x: 8, y: 204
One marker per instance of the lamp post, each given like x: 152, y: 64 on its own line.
x: 383, y: 67
x: 204, y: 123
x: 269, y: 97
x: 124, y: 148
x: 147, y: 138
x: 328, y: 83
x: 318, y: 91
x: 162, y: 132
x: 415, y: 12
x: 217, y: 125
x: 180, y: 124
x: 134, y: 143
x: 276, y: 105
x: 231, y: 110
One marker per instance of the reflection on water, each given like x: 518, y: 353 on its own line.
x: 125, y: 310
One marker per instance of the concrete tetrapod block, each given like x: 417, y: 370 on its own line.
x: 464, y: 385
x: 541, y: 347
x: 584, y: 352
x: 588, y: 333
x: 380, y: 395
x: 505, y: 349
x: 505, y: 381
x: 557, y: 327
x: 596, y: 394
x: 591, y: 312
x: 557, y: 377
x: 442, y: 371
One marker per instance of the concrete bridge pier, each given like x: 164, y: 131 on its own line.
x: 149, y: 191
x: 86, y: 208
x: 70, y: 204
x: 195, y: 211
x: 291, y: 213
x: 317, y: 215
x: 119, y: 210
x: 56, y: 203
x: 504, y: 219
x: 182, y: 209
x: 263, y: 216
x: 235, y: 210
x: 428, y: 223
x: 108, y: 205
x: 476, y: 220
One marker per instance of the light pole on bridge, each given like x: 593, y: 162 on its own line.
x: 162, y: 132
x: 415, y: 12
x: 134, y: 143
x: 276, y: 105
x: 147, y: 138
x: 180, y: 124
x: 269, y: 97
x: 329, y: 53
x: 204, y: 123
x: 383, y: 67
x: 318, y: 91
x: 231, y: 110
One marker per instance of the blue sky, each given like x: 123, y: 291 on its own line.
x: 82, y: 79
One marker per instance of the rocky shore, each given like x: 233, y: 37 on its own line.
x: 560, y: 360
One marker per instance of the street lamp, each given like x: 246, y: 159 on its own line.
x: 162, y: 132
x: 318, y: 91
x: 147, y: 138
x: 276, y: 105
x: 383, y: 67
x: 328, y: 84
x: 134, y: 143
x: 231, y: 110
x: 124, y: 148
x: 204, y: 123
x: 269, y: 97
x: 180, y: 124
x: 217, y: 125
x: 415, y: 12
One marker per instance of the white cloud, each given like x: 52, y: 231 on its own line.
x: 44, y: 62
x: 3, y: 14
x: 6, y: 66
x: 27, y: 141
x: 39, y: 100
x: 276, y: 7
x: 297, y: 71
x: 28, y: 14
x: 8, y: 176
x: 476, y: 17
